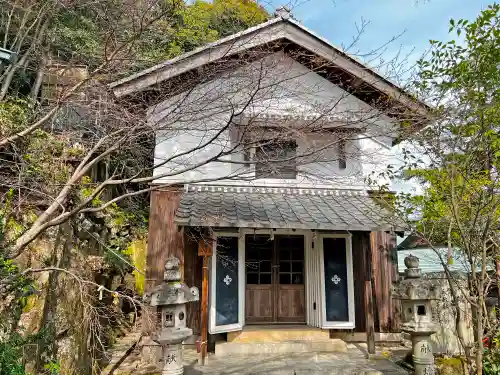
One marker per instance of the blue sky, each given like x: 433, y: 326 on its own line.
x: 417, y: 21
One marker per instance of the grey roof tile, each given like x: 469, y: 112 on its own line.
x: 326, y: 211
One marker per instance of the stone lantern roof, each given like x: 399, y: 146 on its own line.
x: 172, y: 291
x: 413, y: 287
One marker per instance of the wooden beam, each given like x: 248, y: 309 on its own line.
x: 368, y: 302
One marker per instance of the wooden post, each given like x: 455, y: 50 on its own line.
x: 204, y: 311
x: 370, y: 321
x: 205, y: 249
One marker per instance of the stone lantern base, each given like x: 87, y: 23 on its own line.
x: 172, y: 360
x: 423, y: 358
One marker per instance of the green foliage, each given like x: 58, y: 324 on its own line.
x: 491, y: 360
x: 460, y: 156
x: 14, y: 115
x: 11, y: 355
x: 74, y: 34
x: 124, y: 228
x: 15, y: 347
x: 137, y: 253
x: 195, y: 25
x: 16, y: 288
x: 231, y: 16
x: 463, y: 147
x: 52, y: 368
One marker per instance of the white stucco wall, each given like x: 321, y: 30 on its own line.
x: 190, y: 127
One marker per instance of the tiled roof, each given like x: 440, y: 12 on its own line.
x: 430, y: 261
x: 282, y: 209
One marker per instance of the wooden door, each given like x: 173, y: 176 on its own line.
x: 275, y: 291
x: 259, y: 291
x: 290, y: 290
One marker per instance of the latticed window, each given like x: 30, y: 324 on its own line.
x: 276, y: 159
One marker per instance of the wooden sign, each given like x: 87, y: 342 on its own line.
x: 205, y: 248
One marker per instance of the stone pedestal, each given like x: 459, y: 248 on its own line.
x: 423, y: 358
x: 172, y: 360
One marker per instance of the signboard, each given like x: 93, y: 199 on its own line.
x: 205, y: 248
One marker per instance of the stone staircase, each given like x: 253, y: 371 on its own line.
x: 124, y: 353
x: 279, y: 340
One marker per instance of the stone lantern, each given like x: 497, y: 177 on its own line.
x: 171, y: 298
x: 416, y: 295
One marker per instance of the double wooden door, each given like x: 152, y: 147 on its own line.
x: 275, y: 290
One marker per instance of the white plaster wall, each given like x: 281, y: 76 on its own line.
x: 189, y: 127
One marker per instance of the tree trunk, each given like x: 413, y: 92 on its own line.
x: 47, y: 346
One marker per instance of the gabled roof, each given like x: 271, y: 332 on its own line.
x: 280, y: 29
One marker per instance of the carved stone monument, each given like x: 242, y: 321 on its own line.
x: 171, y: 298
x: 416, y: 295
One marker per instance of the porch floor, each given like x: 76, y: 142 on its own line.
x: 354, y: 362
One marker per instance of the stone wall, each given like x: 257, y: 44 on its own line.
x: 444, y: 313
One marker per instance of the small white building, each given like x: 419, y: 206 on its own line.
x: 264, y: 141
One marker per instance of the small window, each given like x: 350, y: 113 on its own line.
x: 169, y: 319
x: 420, y: 310
x: 247, y: 157
x: 342, y: 154
x: 276, y: 159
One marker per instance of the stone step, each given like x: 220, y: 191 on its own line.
x: 277, y: 334
x: 301, y: 346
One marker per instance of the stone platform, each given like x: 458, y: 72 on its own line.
x: 352, y: 362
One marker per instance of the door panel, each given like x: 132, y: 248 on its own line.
x: 335, y: 267
x: 290, y: 288
x: 226, y: 281
x: 259, y: 303
x: 275, y: 290
x: 291, y: 307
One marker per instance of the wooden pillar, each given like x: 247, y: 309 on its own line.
x: 164, y: 240
x: 368, y: 300
x: 164, y: 237
x: 193, y: 277
x: 205, y: 250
